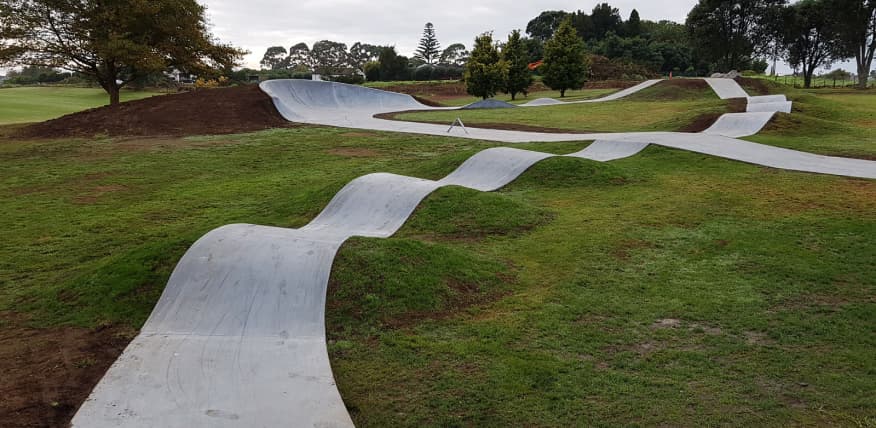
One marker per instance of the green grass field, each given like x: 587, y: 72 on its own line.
x: 817, y: 82
x: 654, y: 109
x: 36, y: 104
x: 669, y: 288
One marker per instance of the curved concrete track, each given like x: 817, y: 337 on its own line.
x: 337, y: 104
x: 238, y: 336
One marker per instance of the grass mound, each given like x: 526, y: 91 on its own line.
x: 461, y: 213
x: 675, y: 90
x: 573, y: 172
x: 395, y: 282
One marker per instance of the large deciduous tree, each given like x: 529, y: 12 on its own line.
x: 856, y: 34
x: 605, y: 19
x: 728, y: 33
x: 275, y: 58
x: 543, y: 26
x: 565, y: 66
x: 517, y: 59
x: 329, y: 58
x: 429, y: 49
x: 299, y: 57
x: 485, y: 71
x: 455, y: 54
x: 115, y: 42
x: 392, y: 65
x: 363, y: 53
x: 808, y: 40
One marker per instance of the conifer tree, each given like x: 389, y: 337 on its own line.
x: 429, y: 49
x: 515, y: 55
x: 485, y: 71
x: 565, y: 66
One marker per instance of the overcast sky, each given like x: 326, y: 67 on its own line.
x: 257, y: 24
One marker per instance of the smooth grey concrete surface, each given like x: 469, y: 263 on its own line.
x: 739, y: 125
x: 300, y: 101
x: 238, y: 337
x: 778, y: 107
x: 726, y: 88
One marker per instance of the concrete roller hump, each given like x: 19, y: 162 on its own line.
x: 237, y: 338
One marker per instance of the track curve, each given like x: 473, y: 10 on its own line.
x: 238, y: 336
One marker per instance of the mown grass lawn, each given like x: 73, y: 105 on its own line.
x: 670, y: 288
x: 39, y: 103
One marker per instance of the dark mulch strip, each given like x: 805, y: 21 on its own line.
x: 48, y: 373
x: 202, y: 112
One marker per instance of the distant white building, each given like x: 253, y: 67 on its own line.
x: 181, y: 77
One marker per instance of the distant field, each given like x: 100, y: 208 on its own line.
x: 817, y: 82
x: 36, y: 104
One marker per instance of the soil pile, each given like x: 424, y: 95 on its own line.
x: 202, y: 112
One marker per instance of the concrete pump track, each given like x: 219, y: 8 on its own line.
x: 238, y: 336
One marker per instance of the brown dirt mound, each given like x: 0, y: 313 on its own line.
x: 48, y: 373
x: 203, y: 112
x: 758, y: 86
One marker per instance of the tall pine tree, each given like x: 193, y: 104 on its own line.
x: 564, y: 64
x: 429, y: 49
x: 515, y: 55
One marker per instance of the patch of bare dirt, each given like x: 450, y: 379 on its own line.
x: 705, y: 120
x: 623, y: 249
x: 204, y: 112
x: 96, y: 193
x: 701, y: 122
x: 758, y: 86
x: 48, y: 373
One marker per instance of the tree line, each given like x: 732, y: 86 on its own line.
x: 724, y: 35
x: 123, y: 42
x: 334, y: 60
x: 808, y: 34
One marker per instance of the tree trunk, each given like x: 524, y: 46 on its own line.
x: 513, y: 94
x: 562, y: 93
x: 114, y: 95
x: 807, y: 78
x: 863, y: 74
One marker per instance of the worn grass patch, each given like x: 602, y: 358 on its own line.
x: 466, y: 214
x: 397, y: 282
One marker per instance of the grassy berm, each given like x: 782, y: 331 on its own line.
x: 670, y: 288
